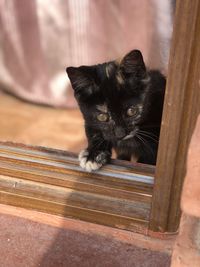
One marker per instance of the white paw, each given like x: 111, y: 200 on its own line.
x: 88, y: 165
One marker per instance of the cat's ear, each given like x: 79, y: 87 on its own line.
x: 82, y: 81
x: 133, y: 64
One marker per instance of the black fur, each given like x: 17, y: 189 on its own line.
x: 116, y: 87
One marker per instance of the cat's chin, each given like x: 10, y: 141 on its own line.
x: 126, y: 143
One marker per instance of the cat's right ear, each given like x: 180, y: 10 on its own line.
x: 133, y: 64
x: 82, y: 81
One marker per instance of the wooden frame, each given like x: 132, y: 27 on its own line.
x: 182, y: 105
x: 51, y: 181
x: 121, y: 194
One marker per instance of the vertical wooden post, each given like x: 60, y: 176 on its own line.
x: 182, y: 105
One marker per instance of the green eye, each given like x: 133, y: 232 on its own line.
x: 133, y: 111
x: 102, y: 117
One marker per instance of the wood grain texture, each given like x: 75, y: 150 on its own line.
x: 182, y: 105
x: 49, y: 180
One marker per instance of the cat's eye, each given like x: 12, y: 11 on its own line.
x: 133, y: 111
x: 102, y: 117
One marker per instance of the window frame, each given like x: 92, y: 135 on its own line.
x: 181, y: 108
x: 50, y: 180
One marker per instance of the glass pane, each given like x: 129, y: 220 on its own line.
x: 39, y: 39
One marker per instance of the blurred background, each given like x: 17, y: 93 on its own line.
x: 40, y: 38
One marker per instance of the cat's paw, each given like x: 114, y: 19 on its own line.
x: 86, y: 163
x: 92, y: 163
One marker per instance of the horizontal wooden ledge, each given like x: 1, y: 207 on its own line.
x: 98, y: 217
x: 74, y: 182
x: 92, y: 201
x: 112, y: 175
x: 129, y: 215
x: 60, y: 156
x: 53, y: 178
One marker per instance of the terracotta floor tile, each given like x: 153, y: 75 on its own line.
x: 30, y: 238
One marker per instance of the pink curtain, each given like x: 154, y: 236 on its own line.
x: 39, y: 38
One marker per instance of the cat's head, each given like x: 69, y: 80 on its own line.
x: 112, y: 95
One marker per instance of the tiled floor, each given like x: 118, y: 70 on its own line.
x: 30, y: 239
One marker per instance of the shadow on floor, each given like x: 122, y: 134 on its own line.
x: 75, y: 249
x: 26, y: 243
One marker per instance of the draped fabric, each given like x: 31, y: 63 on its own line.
x: 40, y: 38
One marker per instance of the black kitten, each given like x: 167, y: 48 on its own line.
x: 122, y: 106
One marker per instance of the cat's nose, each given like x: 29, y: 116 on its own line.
x: 119, y: 132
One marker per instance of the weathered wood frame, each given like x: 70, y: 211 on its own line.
x: 121, y: 195
x: 182, y: 105
x: 50, y: 180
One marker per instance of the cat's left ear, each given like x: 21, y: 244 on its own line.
x: 82, y: 81
x: 133, y: 64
